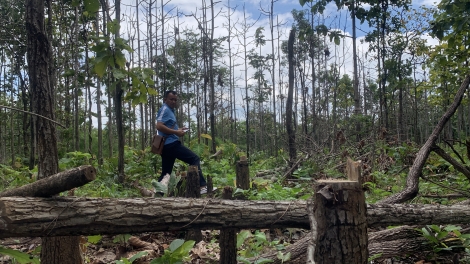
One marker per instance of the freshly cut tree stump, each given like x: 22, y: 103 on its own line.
x: 55, y: 184
x: 340, y: 214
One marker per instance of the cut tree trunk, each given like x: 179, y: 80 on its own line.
x: 412, y: 181
x: 55, y: 184
x: 341, y: 224
x: 59, y: 216
x: 243, y: 174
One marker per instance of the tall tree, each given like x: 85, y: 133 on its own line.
x: 289, y: 115
x: 54, y: 249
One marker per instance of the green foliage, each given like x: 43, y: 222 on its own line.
x: 177, y: 253
x: 441, y: 237
x: 19, y: 256
x: 75, y: 159
x: 94, y: 239
x: 122, y: 239
x: 132, y: 259
x: 11, y: 178
x: 252, y: 245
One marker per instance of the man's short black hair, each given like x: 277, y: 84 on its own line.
x: 165, y: 95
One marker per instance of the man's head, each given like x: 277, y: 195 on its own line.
x: 171, y: 99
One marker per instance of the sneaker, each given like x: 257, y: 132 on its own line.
x: 204, y: 190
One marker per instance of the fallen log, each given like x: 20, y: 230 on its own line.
x: 55, y: 184
x: 397, y: 242
x: 59, y: 216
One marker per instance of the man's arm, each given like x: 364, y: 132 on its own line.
x: 161, y: 127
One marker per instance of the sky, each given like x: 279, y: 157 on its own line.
x: 189, y: 10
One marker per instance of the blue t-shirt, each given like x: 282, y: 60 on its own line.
x: 166, y: 115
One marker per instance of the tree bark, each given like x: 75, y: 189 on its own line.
x: 396, y: 242
x: 412, y: 181
x: 55, y: 184
x: 341, y: 224
x: 289, y: 108
x: 53, y: 250
x: 242, y: 171
x: 59, y: 216
x: 228, y: 237
x: 463, y: 169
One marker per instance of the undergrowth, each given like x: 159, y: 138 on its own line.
x: 385, y: 168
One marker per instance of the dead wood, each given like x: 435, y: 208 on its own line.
x: 459, y: 167
x: 30, y: 216
x: 401, y: 241
x: 411, y: 189
x: 55, y: 184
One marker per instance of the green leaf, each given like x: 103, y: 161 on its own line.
x: 176, y: 244
x: 118, y: 74
x: 337, y: 40
x: 121, y: 238
x: 92, y: 6
x: 120, y: 59
x: 302, y: 2
x: 159, y: 187
x: 183, y: 250
x: 94, y: 239
x: 152, y: 91
x: 19, y: 256
x: 100, y: 66
x: 263, y: 260
x: 138, y: 255
x: 242, y: 236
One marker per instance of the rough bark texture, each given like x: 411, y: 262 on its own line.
x: 59, y: 216
x: 340, y: 214
x: 39, y: 53
x: 228, y: 237
x: 243, y: 174
x: 27, y: 216
x: 396, y: 242
x: 55, y: 184
x: 53, y: 250
x: 412, y: 181
x: 383, y: 215
x: 193, y: 190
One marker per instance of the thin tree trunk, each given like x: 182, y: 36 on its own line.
x: 118, y: 106
x: 289, y: 119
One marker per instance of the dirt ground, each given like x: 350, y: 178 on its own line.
x: 112, y: 248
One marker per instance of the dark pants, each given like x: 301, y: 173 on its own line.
x: 174, y: 151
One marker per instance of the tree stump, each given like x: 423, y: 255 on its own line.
x: 193, y: 190
x: 340, y: 214
x: 243, y: 174
x: 228, y: 237
x: 193, y: 187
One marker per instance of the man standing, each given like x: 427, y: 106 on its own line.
x: 167, y: 127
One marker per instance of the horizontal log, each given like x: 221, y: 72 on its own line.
x: 61, y: 216
x: 383, y: 215
x: 55, y: 184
